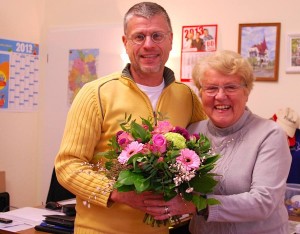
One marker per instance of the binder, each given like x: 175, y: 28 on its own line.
x: 50, y: 229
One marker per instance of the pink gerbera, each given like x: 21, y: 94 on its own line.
x: 130, y: 150
x: 189, y: 159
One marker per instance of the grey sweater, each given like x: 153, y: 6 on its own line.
x: 253, y: 168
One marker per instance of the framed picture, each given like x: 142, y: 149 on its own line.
x: 260, y: 44
x: 197, y: 41
x: 293, y: 53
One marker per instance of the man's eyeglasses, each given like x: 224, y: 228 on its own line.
x: 229, y: 89
x: 156, y: 37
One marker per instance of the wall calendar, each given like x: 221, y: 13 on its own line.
x: 19, y: 67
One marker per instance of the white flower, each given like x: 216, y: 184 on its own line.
x: 189, y: 190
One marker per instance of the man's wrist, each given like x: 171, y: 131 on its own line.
x: 110, y: 201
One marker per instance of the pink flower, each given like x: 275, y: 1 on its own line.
x: 160, y: 159
x: 189, y: 159
x: 146, y: 127
x: 159, y: 143
x: 130, y: 150
x: 162, y: 127
x: 124, y: 138
x: 146, y: 148
x: 193, y: 138
x: 182, y: 131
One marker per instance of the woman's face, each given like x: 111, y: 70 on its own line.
x: 226, y: 106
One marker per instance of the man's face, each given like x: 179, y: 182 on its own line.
x: 149, y: 56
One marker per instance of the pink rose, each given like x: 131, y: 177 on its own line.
x: 163, y: 127
x: 124, y: 138
x: 159, y: 143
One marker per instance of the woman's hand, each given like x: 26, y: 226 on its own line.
x: 162, y: 210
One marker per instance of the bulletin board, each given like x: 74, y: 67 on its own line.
x: 19, y: 68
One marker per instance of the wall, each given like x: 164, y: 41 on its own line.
x: 23, y: 144
x: 20, y: 20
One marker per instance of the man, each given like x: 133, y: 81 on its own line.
x: 144, y: 88
x: 206, y: 35
x: 198, y: 43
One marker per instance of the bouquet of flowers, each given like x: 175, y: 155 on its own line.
x: 156, y: 156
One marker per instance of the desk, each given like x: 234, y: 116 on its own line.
x: 32, y: 231
x: 26, y: 217
x: 294, y: 218
x: 28, y: 231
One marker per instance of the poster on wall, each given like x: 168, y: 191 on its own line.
x: 19, y: 69
x: 82, y: 69
x: 197, y: 41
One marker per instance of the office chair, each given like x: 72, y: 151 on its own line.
x: 4, y: 202
x: 56, y: 191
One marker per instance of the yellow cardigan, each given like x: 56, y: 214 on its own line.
x: 91, y: 122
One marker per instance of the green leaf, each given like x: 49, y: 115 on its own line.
x: 199, y: 202
x: 124, y: 188
x: 212, y: 159
x: 138, y: 132
x: 203, y: 184
x: 187, y: 196
x: 212, y: 201
x: 148, y: 123
x: 168, y: 195
x: 109, y: 165
x: 141, y: 184
x: 205, y: 169
x: 126, y: 177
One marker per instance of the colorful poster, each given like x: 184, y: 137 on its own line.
x: 18, y: 75
x: 82, y: 69
x: 197, y: 41
x: 4, y: 76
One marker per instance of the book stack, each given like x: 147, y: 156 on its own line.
x: 57, y: 224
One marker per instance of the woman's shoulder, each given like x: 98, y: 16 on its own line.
x: 264, y: 126
x: 261, y: 122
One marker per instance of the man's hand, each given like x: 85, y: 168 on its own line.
x: 136, y: 200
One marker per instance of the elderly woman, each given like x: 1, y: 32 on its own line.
x: 255, y: 157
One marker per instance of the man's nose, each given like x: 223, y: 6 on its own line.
x: 148, y: 41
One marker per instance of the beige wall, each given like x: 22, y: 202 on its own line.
x: 20, y: 20
x: 22, y: 145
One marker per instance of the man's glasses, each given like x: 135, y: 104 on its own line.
x: 156, y: 37
x: 229, y: 89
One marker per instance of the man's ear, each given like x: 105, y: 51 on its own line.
x: 124, y: 39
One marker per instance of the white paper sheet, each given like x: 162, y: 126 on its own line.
x: 25, y: 218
